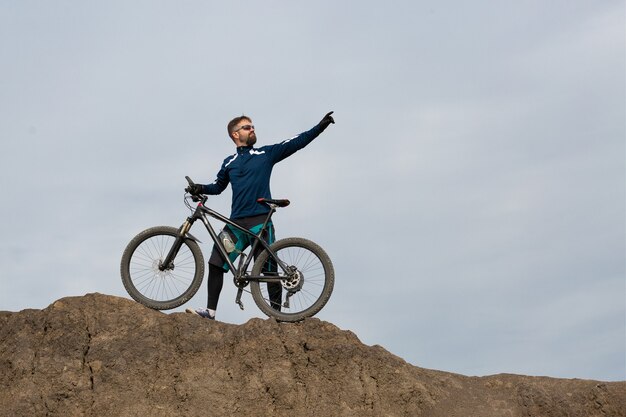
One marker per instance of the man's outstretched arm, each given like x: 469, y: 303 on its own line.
x: 290, y: 146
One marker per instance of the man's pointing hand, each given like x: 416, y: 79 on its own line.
x: 327, y: 120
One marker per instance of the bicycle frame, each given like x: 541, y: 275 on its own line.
x: 201, y: 212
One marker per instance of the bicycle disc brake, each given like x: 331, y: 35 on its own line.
x: 295, y: 281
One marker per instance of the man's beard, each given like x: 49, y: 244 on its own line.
x: 251, y: 140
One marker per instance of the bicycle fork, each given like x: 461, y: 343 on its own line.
x: 168, y: 262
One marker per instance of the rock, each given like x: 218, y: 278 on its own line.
x: 99, y: 355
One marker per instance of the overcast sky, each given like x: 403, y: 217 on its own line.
x: 471, y: 194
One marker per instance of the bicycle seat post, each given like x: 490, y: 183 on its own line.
x: 273, y: 208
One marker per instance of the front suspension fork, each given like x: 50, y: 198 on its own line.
x: 168, y: 262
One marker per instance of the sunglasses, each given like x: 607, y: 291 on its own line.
x: 245, y: 127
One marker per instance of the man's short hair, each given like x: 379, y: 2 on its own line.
x: 233, y: 123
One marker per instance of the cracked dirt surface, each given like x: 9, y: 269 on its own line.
x: 99, y: 355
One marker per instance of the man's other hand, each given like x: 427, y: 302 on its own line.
x: 194, y: 189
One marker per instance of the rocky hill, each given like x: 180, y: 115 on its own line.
x: 99, y: 355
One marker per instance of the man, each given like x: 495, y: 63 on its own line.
x: 248, y: 171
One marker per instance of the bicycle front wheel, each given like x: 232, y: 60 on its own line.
x: 298, y: 295
x: 156, y: 288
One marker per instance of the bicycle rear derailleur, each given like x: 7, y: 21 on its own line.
x: 293, y: 284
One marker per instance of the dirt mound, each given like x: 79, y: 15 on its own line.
x: 99, y: 355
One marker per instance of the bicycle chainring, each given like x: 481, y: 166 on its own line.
x: 240, y: 282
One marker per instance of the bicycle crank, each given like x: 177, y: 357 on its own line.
x: 238, y: 299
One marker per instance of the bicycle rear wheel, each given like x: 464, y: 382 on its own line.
x: 304, y: 293
x: 155, y: 288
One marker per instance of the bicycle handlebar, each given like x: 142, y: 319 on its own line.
x: 195, y: 197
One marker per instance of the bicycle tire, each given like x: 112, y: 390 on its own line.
x: 161, y: 290
x: 316, y: 272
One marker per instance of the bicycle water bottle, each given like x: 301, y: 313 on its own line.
x: 227, y: 241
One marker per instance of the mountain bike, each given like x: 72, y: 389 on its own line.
x: 163, y: 267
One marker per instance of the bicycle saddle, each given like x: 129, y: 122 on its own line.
x: 279, y: 203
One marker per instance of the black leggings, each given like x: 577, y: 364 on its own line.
x: 214, y: 286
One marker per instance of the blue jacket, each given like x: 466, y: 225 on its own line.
x: 249, y: 171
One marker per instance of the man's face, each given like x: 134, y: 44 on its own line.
x: 245, y: 133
